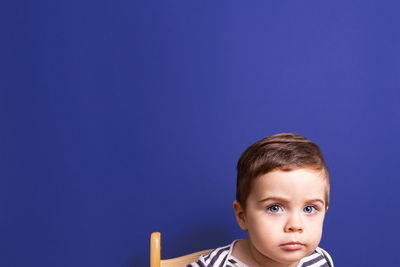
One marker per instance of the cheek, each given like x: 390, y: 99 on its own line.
x: 266, y: 234
x: 264, y: 226
x: 315, y: 229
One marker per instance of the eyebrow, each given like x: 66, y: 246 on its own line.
x: 278, y: 199
x: 283, y: 200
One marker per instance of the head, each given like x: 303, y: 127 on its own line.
x: 282, y: 196
x: 284, y: 152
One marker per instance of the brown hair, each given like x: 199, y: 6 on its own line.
x: 285, y: 152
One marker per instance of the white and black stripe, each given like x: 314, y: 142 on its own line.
x: 221, y: 257
x: 216, y: 257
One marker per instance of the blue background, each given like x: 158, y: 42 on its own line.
x: 120, y: 118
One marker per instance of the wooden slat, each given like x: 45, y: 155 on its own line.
x: 183, y: 260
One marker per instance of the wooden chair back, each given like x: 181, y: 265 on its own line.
x: 155, y: 255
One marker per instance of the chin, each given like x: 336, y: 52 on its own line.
x: 291, y: 257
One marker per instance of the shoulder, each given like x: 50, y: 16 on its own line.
x: 215, y: 257
x: 318, y: 258
x: 326, y: 255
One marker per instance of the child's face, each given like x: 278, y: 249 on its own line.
x: 284, y: 215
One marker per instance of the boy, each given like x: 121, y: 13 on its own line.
x: 282, y: 196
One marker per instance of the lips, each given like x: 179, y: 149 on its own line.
x: 294, y: 245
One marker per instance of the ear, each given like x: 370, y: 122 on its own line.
x: 240, y: 215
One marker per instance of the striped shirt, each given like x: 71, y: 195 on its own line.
x: 221, y: 257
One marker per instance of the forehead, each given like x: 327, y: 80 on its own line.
x: 295, y: 184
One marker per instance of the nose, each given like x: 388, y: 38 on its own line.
x: 294, y: 224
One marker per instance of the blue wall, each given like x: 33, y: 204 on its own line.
x: 119, y: 118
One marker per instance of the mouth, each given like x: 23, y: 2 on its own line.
x: 294, y: 245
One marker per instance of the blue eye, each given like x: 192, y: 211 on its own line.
x: 274, y: 209
x: 309, y: 209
